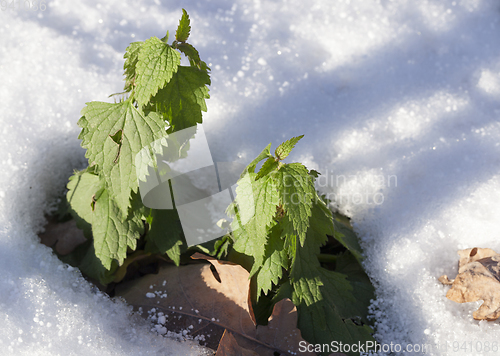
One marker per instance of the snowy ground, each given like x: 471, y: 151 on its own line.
x: 398, y: 101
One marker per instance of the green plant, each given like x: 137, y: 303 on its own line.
x: 161, y: 97
x: 280, y: 246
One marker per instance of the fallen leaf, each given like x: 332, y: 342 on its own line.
x: 63, y: 237
x: 212, y: 298
x: 228, y: 346
x: 478, y: 279
x: 280, y: 332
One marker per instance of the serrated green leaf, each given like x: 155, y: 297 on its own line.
x: 101, y: 122
x: 266, y: 153
x: 251, y: 237
x: 183, y: 98
x: 297, y: 192
x: 131, y: 57
x: 344, y: 234
x: 193, y: 56
x: 157, y: 63
x: 314, y: 173
x: 82, y: 187
x: 275, y: 260
x: 320, y: 223
x: 166, y: 37
x: 362, y: 288
x: 112, y: 236
x: 184, y: 28
x: 283, y: 150
x: 325, y: 299
x: 165, y: 234
x: 269, y: 165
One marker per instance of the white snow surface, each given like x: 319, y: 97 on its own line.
x: 398, y: 101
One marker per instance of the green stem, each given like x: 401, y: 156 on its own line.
x: 327, y: 258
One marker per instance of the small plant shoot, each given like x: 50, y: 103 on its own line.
x: 161, y: 96
x: 280, y: 244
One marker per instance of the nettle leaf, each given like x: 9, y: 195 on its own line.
x: 112, y: 236
x: 362, y: 287
x: 113, y: 134
x: 193, y: 55
x: 157, y: 63
x: 325, y: 299
x: 269, y: 165
x: 297, y: 191
x: 184, y: 28
x: 251, y: 237
x: 283, y: 150
x: 275, y: 260
x: 266, y: 153
x: 183, y: 98
x: 322, y: 322
x: 131, y: 57
x: 165, y: 235
x: 82, y: 187
x: 346, y: 236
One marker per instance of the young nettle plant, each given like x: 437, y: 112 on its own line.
x: 280, y: 245
x: 161, y: 96
x: 279, y: 225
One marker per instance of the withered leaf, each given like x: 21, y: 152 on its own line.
x: 63, y: 237
x: 280, y: 332
x: 228, y: 346
x: 478, y: 279
x: 214, y: 303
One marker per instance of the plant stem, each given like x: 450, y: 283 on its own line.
x: 327, y: 258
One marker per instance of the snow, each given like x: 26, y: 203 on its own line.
x: 398, y: 101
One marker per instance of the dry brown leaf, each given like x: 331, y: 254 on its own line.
x: 228, y: 346
x: 280, y: 332
x: 478, y: 279
x: 63, y: 237
x: 213, y: 298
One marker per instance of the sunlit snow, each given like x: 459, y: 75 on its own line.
x: 399, y: 102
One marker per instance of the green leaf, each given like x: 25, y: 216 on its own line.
x: 266, y: 153
x: 283, y: 150
x: 193, y: 55
x: 325, y: 299
x: 104, y: 123
x: 84, y: 258
x: 321, y: 223
x: 157, y: 63
x: 82, y: 187
x: 165, y: 234
x: 131, y: 57
x: 261, y: 198
x: 297, y: 191
x: 362, y: 288
x: 336, y: 327
x: 275, y: 260
x: 269, y: 165
x: 112, y: 236
x: 183, y: 29
x: 183, y: 98
x: 346, y: 236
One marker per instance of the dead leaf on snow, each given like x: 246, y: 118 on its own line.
x: 213, y: 298
x: 478, y: 279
